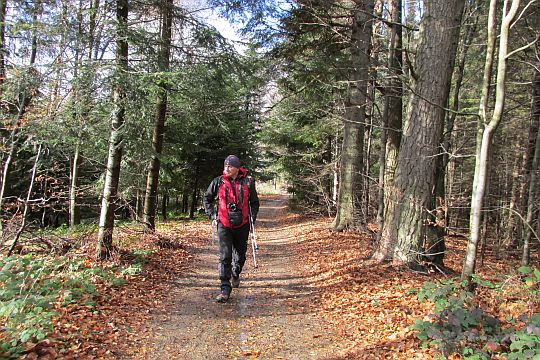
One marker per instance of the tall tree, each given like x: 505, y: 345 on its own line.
x: 27, y: 204
x: 409, y: 211
x: 393, y: 105
x: 436, y: 248
x: 488, y: 130
x: 150, y: 202
x: 83, y: 97
x: 112, y: 175
x: 3, y: 8
x: 27, y: 88
x: 349, y: 202
x: 532, y: 211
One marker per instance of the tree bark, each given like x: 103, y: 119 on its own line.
x: 532, y: 211
x: 393, y: 107
x: 350, y: 189
x: 510, y: 227
x: 436, y: 246
x: 480, y: 173
x: 26, y: 203
x: 3, y: 50
x: 150, y: 203
x: 112, y: 175
x: 24, y: 99
x: 36, y: 12
x: 194, y: 192
x: 74, y: 211
x: 409, y: 209
x: 448, y: 162
x: 164, y: 204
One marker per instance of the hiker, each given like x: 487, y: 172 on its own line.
x: 236, y: 200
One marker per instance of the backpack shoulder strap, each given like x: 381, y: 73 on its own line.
x: 247, y: 181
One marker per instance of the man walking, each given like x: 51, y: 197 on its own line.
x: 237, y: 200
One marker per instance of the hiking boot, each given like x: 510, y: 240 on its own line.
x: 235, y: 281
x: 223, y: 297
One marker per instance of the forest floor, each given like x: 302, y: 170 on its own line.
x: 314, y: 295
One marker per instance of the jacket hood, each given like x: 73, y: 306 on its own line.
x: 242, y: 173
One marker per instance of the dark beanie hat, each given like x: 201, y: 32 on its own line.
x: 233, y: 160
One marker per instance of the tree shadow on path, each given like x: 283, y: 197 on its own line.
x: 271, y: 316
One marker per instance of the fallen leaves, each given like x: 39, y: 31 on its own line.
x: 368, y: 304
x: 117, y: 321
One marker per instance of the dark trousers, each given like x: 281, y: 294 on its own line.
x: 232, y: 253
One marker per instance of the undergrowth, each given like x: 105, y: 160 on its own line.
x: 32, y: 289
x: 460, y: 325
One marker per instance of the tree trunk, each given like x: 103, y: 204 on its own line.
x: 185, y: 199
x: 367, y: 140
x: 3, y: 51
x: 532, y: 211
x: 150, y: 203
x: 74, y: 218
x: 74, y: 211
x: 326, y: 181
x: 526, y: 162
x: 436, y: 246
x: 81, y: 96
x: 409, y: 209
x: 112, y: 175
x: 510, y: 226
x: 486, y: 85
x: 194, y: 199
x: 382, y: 168
x: 164, y: 205
x: 473, y: 11
x: 26, y: 203
x: 480, y: 173
x: 23, y: 101
x: 36, y: 11
x: 393, y: 107
x: 349, y: 202
x: 335, y: 169
x: 138, y: 204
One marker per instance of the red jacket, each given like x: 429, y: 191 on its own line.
x: 240, y: 192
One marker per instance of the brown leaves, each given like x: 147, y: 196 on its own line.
x: 367, y: 302
x: 118, y: 320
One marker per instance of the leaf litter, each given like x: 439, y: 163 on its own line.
x: 367, y: 305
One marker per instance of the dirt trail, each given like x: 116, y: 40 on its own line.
x: 268, y: 317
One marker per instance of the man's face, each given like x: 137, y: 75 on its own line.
x: 231, y: 171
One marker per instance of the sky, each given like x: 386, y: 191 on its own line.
x: 204, y: 12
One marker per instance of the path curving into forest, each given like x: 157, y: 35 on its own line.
x: 270, y: 316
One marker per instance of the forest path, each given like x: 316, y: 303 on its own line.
x: 270, y: 316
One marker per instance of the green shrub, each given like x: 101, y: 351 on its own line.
x: 456, y: 320
x: 525, y: 343
x: 28, y: 291
x: 29, y: 288
x: 459, y: 326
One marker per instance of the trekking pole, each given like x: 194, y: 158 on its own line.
x: 214, y: 227
x: 253, y: 230
x: 254, y: 246
x: 213, y: 231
